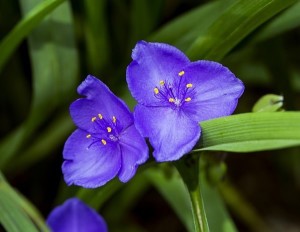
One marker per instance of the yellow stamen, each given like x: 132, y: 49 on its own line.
x: 189, y: 85
x: 94, y: 119
x: 103, y: 141
x: 188, y: 99
x: 100, y: 116
x: 108, y: 129
x: 171, y: 99
x: 156, y: 90
x: 181, y: 73
x: 114, y: 119
x: 161, y: 82
x: 88, y: 136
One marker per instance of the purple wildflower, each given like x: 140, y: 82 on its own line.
x: 75, y: 216
x: 175, y: 94
x: 107, y: 144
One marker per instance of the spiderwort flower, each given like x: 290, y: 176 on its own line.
x: 75, y: 216
x: 106, y: 143
x: 175, y: 94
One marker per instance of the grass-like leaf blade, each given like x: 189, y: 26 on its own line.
x: 251, y: 132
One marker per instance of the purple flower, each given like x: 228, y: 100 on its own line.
x: 107, y: 144
x: 175, y: 94
x: 75, y: 216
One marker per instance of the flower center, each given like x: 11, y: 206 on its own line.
x: 174, y: 94
x: 106, y: 130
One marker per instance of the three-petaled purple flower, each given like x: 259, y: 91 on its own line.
x: 175, y: 94
x: 106, y: 143
x: 75, y: 216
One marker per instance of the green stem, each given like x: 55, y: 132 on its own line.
x: 189, y: 171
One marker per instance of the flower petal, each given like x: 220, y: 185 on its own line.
x: 170, y: 132
x: 75, y: 216
x: 152, y: 62
x: 215, y: 90
x: 99, y: 100
x: 134, y: 152
x: 89, y: 163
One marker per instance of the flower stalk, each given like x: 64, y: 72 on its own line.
x: 188, y: 168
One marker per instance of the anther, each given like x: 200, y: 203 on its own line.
x: 156, y: 90
x: 100, y: 116
x: 103, y: 141
x: 108, y: 129
x: 94, y: 119
x: 161, y: 82
x: 181, y: 73
x: 88, y: 136
x: 171, y: 99
x: 189, y: 85
x: 114, y: 119
x: 188, y: 99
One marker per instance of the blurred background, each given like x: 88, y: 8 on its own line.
x: 39, y: 81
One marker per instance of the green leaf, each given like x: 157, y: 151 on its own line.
x: 268, y: 103
x: 16, y: 213
x: 217, y: 215
x: 96, y: 35
x: 174, y: 191
x: 24, y: 27
x: 144, y: 16
x: 287, y: 20
x: 52, y: 48
x: 183, y: 30
x: 238, y: 21
x: 251, y: 132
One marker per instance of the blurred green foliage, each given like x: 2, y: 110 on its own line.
x: 48, y: 46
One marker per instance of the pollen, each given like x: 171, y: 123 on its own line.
x: 189, y: 85
x: 103, y: 141
x: 156, y: 91
x: 114, y: 119
x: 188, y: 99
x: 100, y: 116
x: 88, y: 136
x: 161, y: 82
x: 108, y: 129
x: 171, y: 99
x: 181, y: 73
x: 94, y: 119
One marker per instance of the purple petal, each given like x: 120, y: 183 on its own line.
x: 152, y: 62
x: 134, y: 152
x: 170, y: 132
x: 88, y: 162
x: 99, y: 100
x: 215, y: 90
x: 75, y: 216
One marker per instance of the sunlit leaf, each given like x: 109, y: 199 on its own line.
x: 251, y: 132
x: 268, y: 103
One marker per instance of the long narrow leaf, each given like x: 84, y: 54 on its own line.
x: 233, y: 26
x: 24, y: 27
x: 54, y: 62
x: 16, y: 213
x: 251, y: 132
